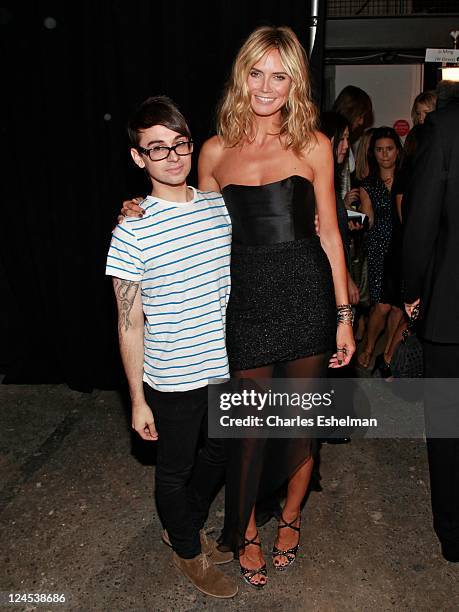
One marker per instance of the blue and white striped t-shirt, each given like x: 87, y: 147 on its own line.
x: 180, y: 253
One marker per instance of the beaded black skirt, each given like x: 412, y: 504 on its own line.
x: 282, y: 304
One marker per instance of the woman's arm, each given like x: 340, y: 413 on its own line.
x: 321, y: 161
x: 366, y: 206
x: 208, y: 158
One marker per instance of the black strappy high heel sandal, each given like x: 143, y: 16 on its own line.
x: 248, y: 574
x: 290, y: 553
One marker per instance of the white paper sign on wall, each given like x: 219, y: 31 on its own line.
x: 442, y: 56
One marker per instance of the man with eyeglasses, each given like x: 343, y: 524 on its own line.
x: 171, y: 278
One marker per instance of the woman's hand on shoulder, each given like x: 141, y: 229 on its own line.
x: 131, y: 208
x: 209, y: 157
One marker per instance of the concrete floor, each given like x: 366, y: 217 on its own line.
x: 77, y: 517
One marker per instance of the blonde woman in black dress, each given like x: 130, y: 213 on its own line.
x: 275, y: 170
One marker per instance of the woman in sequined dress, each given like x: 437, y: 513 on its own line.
x: 378, y: 203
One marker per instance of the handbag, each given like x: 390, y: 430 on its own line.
x: 407, y: 360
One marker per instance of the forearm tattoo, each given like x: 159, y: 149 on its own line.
x: 125, y: 294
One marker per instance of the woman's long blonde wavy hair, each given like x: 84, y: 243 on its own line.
x: 236, y: 120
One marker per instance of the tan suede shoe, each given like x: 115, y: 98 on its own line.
x: 208, y: 547
x: 207, y: 578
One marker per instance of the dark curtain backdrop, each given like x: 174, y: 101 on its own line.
x: 72, y: 71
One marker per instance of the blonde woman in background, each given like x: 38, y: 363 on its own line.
x: 359, y: 264
x: 361, y: 157
x: 423, y: 104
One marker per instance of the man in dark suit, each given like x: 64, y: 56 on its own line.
x: 431, y: 279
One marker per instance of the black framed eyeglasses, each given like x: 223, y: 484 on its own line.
x: 184, y: 147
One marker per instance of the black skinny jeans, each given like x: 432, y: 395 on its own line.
x: 186, y: 479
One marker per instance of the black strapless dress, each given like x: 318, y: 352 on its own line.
x: 281, y: 305
x: 281, y: 308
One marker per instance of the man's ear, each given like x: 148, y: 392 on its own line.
x: 137, y: 158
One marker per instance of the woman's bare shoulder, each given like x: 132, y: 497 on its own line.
x: 320, y: 141
x: 213, y: 146
x: 318, y: 150
x: 210, y: 159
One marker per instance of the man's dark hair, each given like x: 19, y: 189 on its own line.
x: 447, y: 91
x: 411, y: 143
x: 156, y: 110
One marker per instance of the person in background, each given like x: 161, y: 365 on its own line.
x: 355, y: 105
x: 377, y: 203
x: 423, y: 104
x: 431, y: 282
x: 361, y: 156
x: 336, y: 128
x: 359, y: 264
x: 405, y: 171
x: 392, y: 279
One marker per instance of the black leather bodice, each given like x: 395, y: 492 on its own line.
x: 272, y: 213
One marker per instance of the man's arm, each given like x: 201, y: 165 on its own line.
x: 131, y: 338
x: 422, y: 212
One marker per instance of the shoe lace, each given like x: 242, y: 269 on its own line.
x: 207, y: 530
x: 204, y: 533
x: 205, y: 563
x: 204, y: 539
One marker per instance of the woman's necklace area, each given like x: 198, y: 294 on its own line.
x: 387, y: 180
